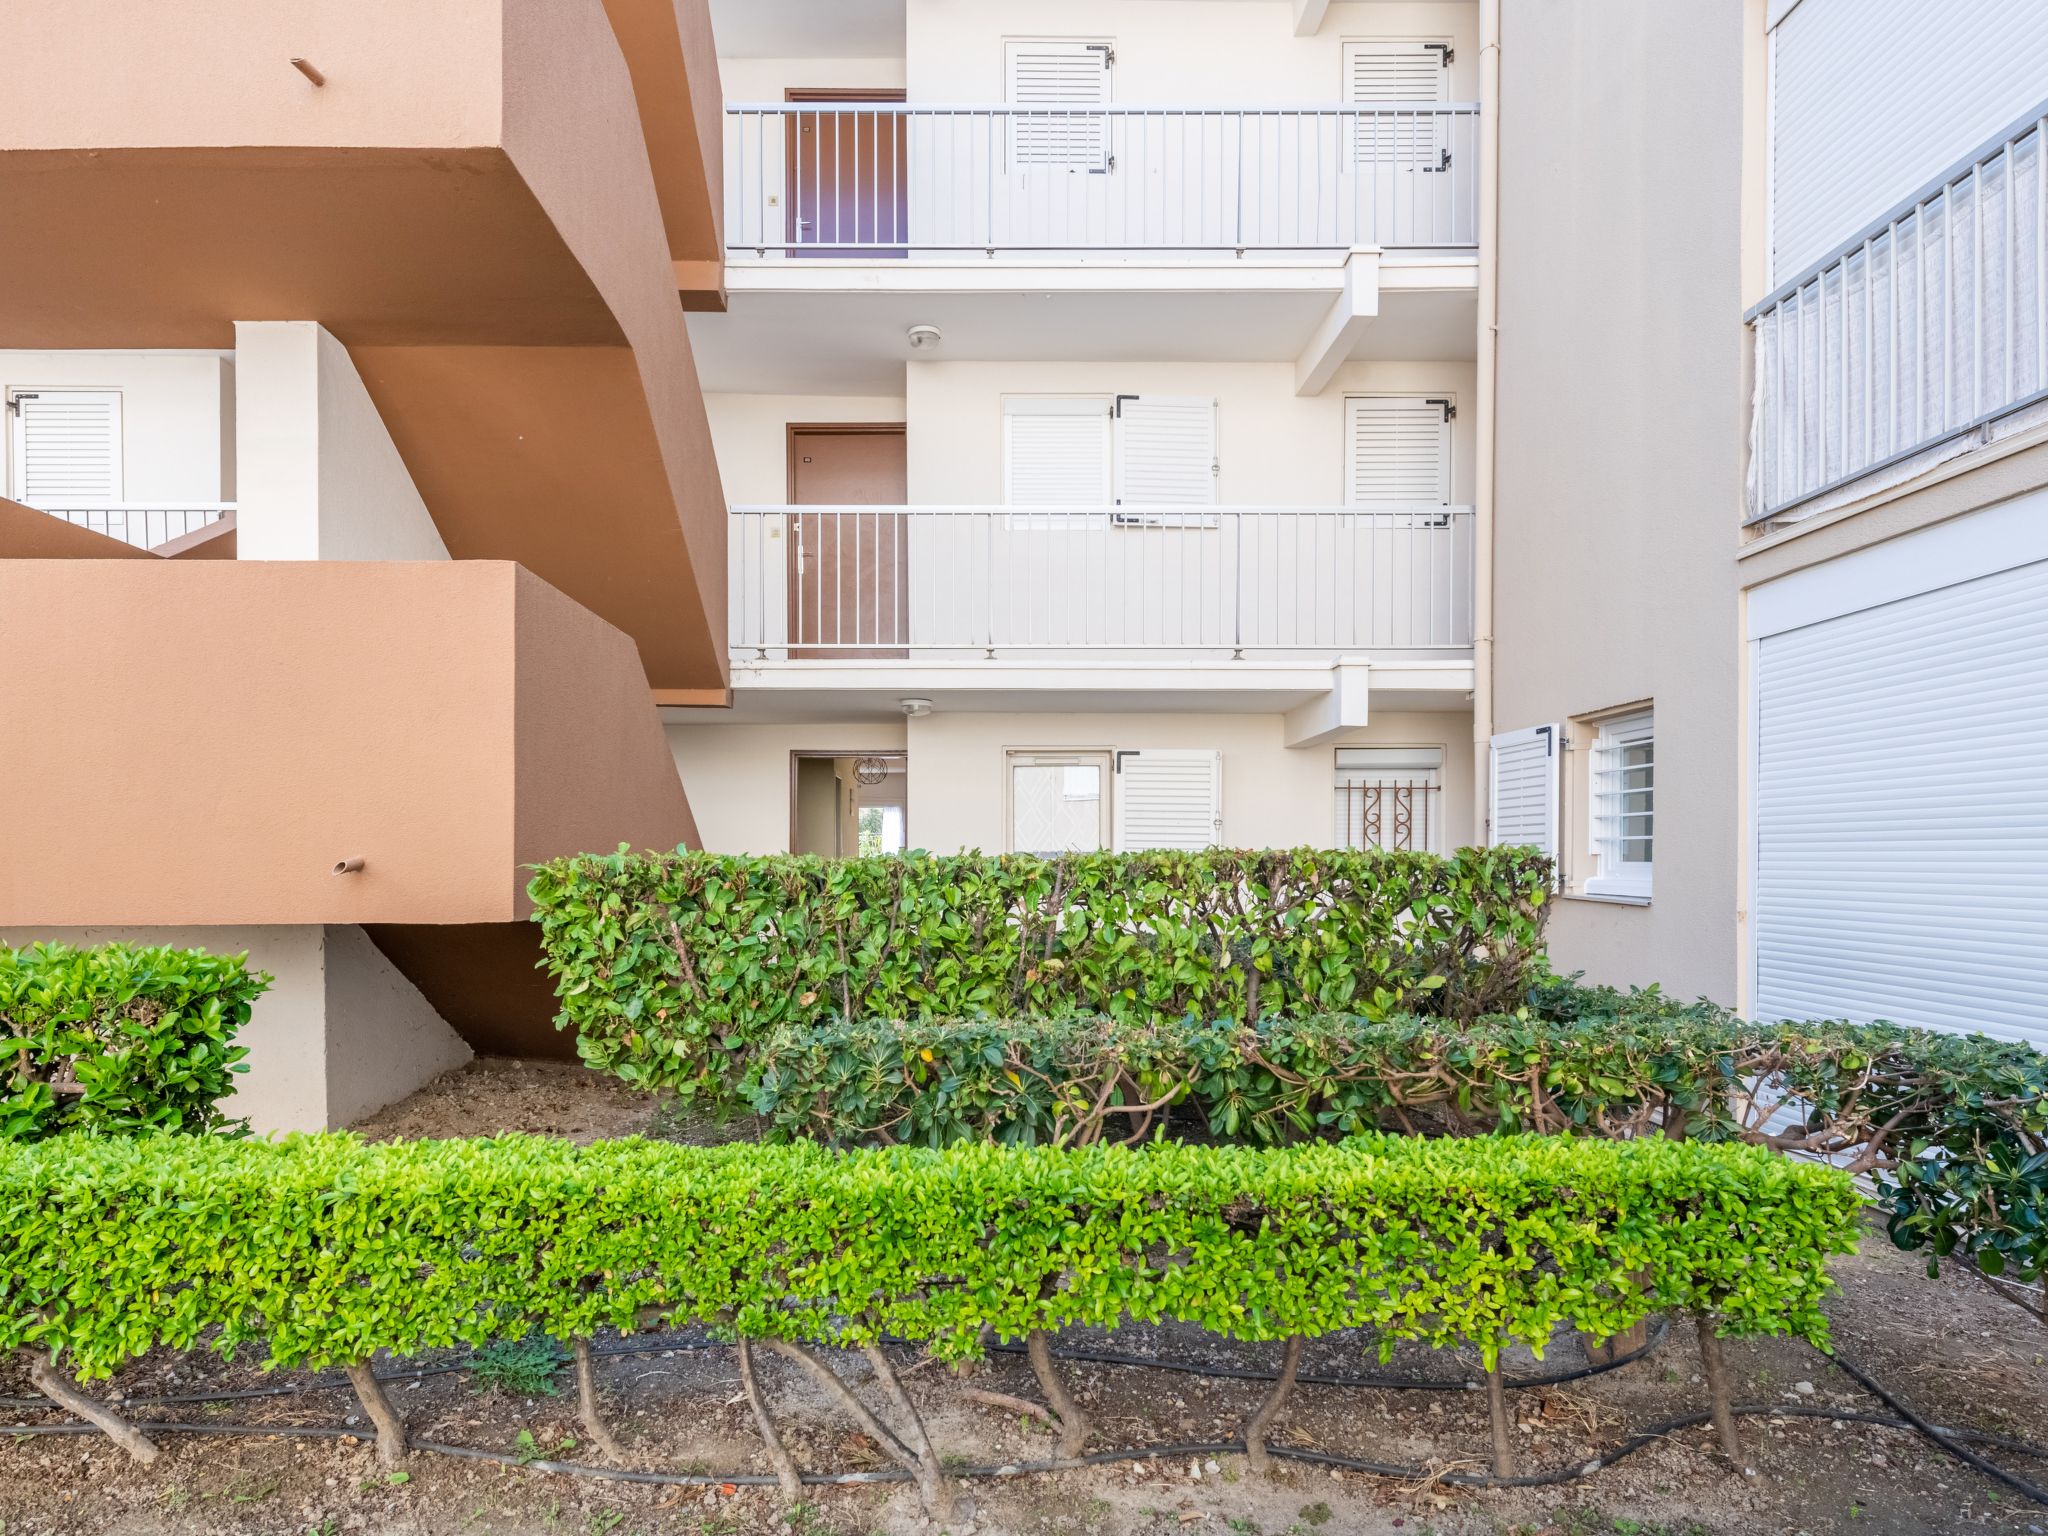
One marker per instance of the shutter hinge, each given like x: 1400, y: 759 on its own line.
x: 1450, y: 410
x: 1118, y: 760
x: 1443, y: 48
x: 14, y: 401
x: 1108, y: 53
x: 1116, y: 405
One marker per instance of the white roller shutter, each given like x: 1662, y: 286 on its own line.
x: 1870, y: 99
x: 1169, y: 799
x: 1522, y: 788
x: 1902, y: 810
x: 1057, y: 74
x: 1056, y: 452
x: 1398, y: 449
x: 1165, y: 450
x: 65, y: 447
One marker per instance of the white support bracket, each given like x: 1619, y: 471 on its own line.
x: 1346, y: 707
x: 1308, y: 16
x: 1355, y: 308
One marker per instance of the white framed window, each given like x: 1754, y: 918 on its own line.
x: 64, y: 447
x: 1390, y: 797
x: 1059, y: 801
x: 1397, y: 449
x: 1622, y: 811
x: 1145, y: 451
x: 1045, y: 81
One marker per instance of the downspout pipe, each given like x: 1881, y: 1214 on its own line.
x: 1486, y: 385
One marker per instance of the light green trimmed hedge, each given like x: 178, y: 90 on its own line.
x: 322, y: 1249
x: 672, y: 967
x: 118, y: 1039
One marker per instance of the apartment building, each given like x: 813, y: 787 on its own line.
x: 465, y: 434
x: 1774, y: 489
x: 1098, y: 401
x: 360, y: 495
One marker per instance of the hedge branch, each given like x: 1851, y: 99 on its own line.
x: 1010, y: 1404
x: 1073, y: 1423
x: 1500, y: 1424
x: 843, y: 1395
x: 390, y: 1427
x: 45, y: 1377
x: 931, y: 1477
x: 786, y: 1474
x: 1269, y: 1408
x: 587, y: 1409
x: 1714, y: 1365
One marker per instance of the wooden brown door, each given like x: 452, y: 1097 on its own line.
x: 849, y: 570
x: 849, y: 176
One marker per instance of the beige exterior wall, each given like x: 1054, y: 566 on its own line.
x: 751, y: 435
x: 1620, y: 437
x: 1275, y: 448
x: 177, y: 415
x: 764, y: 80
x: 339, y: 1034
x: 738, y: 776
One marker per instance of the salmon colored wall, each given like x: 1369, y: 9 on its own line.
x: 503, y: 280
x: 211, y: 737
x: 26, y: 534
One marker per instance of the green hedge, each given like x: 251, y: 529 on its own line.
x: 118, y: 1039
x: 323, y: 1249
x: 1953, y: 1126
x: 672, y: 967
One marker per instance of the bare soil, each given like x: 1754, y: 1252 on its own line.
x: 1961, y: 1355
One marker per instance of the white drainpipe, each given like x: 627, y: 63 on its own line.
x: 1483, y: 448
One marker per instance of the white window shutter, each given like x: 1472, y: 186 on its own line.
x: 1388, y: 71
x: 1165, y: 450
x: 1398, y: 450
x: 1057, y: 75
x: 1056, y: 452
x: 1168, y: 799
x: 65, y: 447
x: 1522, y: 797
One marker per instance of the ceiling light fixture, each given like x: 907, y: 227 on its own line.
x: 923, y: 338
x: 916, y: 709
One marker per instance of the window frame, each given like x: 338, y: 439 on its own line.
x: 1612, y: 876
x: 1102, y: 759
x: 1418, y: 774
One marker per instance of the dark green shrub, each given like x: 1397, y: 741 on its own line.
x: 322, y: 1250
x: 672, y: 967
x: 120, y: 1040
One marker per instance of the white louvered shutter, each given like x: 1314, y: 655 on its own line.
x: 1056, y: 452
x: 1522, y: 793
x: 1169, y: 799
x: 1902, y: 812
x: 1054, y: 77
x: 65, y: 447
x: 1871, y: 99
x: 1165, y: 453
x: 1390, y: 71
x: 1399, y: 449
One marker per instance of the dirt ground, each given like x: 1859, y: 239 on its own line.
x: 1961, y: 1355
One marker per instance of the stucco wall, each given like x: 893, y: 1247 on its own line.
x: 338, y: 1034
x: 177, y: 416
x: 751, y: 435
x: 738, y: 781
x: 764, y: 80
x: 1620, y: 433
x: 320, y: 478
x: 1275, y: 448
x: 1175, y: 51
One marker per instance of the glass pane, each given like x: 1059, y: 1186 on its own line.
x: 1055, y: 808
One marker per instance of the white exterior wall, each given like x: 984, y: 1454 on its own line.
x: 750, y: 435
x: 759, y: 80
x: 177, y: 416
x: 737, y: 776
x: 339, y: 1034
x: 320, y: 478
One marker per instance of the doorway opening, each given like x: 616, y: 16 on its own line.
x: 847, y: 805
x: 849, y: 567
x: 848, y: 192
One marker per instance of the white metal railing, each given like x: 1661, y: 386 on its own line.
x: 1930, y: 324
x: 909, y: 179
x: 925, y: 582
x: 145, y: 524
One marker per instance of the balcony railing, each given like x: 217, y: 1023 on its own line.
x: 816, y: 583
x: 895, y: 179
x: 145, y: 524
x: 1930, y: 324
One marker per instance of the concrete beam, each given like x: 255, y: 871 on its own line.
x: 1308, y: 16
x: 1354, y: 308
x: 1346, y: 707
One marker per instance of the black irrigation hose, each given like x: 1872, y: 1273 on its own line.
x: 1961, y: 1453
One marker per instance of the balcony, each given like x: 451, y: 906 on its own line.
x: 144, y: 524
x: 910, y: 181
x: 997, y: 587
x: 1926, y: 333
